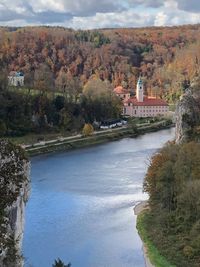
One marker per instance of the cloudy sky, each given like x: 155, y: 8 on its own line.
x: 87, y: 14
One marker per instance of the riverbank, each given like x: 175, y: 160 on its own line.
x: 75, y: 142
x: 151, y: 254
x: 138, y: 209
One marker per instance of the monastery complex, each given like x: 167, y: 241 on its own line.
x: 141, y: 105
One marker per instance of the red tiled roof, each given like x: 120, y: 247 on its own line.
x: 120, y: 90
x: 147, y: 102
x: 13, y: 73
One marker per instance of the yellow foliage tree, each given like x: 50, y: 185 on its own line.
x: 88, y: 129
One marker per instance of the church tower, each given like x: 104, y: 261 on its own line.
x: 140, y: 91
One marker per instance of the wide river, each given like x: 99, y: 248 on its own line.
x: 81, y: 204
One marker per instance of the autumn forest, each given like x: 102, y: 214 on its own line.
x: 167, y: 57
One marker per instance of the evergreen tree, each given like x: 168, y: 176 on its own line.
x: 59, y: 263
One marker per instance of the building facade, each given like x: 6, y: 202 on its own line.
x: 16, y: 78
x: 143, y: 106
x: 122, y: 93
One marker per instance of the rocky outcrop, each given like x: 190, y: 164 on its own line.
x: 14, y: 191
x: 187, y: 117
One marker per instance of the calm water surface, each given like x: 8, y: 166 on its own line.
x: 81, y: 205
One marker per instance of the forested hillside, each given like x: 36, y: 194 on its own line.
x: 173, y: 184
x: 167, y: 57
x: 73, y: 72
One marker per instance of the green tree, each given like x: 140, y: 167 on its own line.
x: 43, y: 78
x: 59, y: 263
x: 3, y: 128
x: 3, y: 80
x: 99, y: 101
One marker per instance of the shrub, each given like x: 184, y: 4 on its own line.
x: 87, y: 129
x: 188, y: 251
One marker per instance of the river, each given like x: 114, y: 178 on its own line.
x: 81, y: 204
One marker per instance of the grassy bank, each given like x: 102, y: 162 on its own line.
x: 155, y: 257
x: 100, y: 138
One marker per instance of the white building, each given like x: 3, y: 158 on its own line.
x: 143, y: 106
x: 16, y: 78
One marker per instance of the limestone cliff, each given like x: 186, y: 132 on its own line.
x: 188, y: 117
x: 14, y: 190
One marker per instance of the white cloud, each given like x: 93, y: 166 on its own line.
x: 161, y: 19
x: 119, y: 19
x: 171, y: 4
x: 44, y: 5
x: 99, y: 13
x: 176, y: 17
